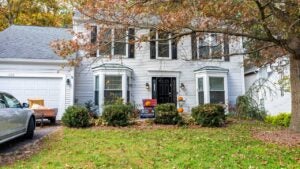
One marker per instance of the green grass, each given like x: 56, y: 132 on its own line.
x: 230, y: 147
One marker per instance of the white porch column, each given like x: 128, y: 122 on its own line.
x: 101, y: 92
x: 124, y: 87
x: 206, y: 88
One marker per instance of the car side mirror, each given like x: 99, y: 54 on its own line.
x: 25, y: 105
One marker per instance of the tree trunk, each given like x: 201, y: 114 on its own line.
x: 295, y: 91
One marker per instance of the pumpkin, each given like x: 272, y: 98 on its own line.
x: 180, y: 98
x: 180, y: 110
x: 147, y: 103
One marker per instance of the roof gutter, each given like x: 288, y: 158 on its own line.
x: 45, y: 61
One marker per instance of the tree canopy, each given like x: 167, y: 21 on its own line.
x: 55, y: 13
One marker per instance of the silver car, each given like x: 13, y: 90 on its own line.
x: 15, y: 119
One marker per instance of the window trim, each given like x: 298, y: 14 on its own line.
x: 157, y: 45
x: 206, y: 87
x: 102, y: 72
x: 113, y: 40
x: 216, y: 90
x: 208, y: 37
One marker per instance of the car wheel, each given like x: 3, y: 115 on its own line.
x: 52, y: 120
x: 30, y: 129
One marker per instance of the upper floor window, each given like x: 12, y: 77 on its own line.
x: 115, y: 41
x: 162, y: 46
x: 210, y: 46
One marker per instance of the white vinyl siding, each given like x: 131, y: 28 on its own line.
x: 183, y: 69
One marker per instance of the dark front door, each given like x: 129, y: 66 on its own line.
x: 164, y: 89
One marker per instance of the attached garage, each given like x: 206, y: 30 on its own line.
x: 49, y: 89
x: 29, y: 69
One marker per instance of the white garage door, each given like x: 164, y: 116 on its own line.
x: 23, y: 88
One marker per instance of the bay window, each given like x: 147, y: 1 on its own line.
x: 112, y: 82
x: 112, y: 89
x: 96, y: 96
x: 216, y: 90
x: 200, y: 91
x: 212, y: 87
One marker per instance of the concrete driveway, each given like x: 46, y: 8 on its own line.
x: 19, y: 143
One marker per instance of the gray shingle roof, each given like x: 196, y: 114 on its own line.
x: 112, y: 66
x: 212, y: 68
x: 30, y: 42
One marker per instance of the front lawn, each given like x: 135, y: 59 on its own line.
x: 170, y: 147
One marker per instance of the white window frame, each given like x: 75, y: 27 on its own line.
x: 112, y: 72
x: 112, y: 52
x: 121, y: 89
x: 156, y: 47
x: 206, y: 75
x: 208, y: 38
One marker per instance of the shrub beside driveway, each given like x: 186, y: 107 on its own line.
x: 166, y: 147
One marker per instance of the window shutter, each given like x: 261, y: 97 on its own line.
x: 152, y: 44
x: 226, y: 48
x: 194, y: 45
x: 94, y: 34
x: 174, y: 49
x: 131, y: 38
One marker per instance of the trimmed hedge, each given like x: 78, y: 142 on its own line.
x: 117, y: 114
x: 209, y: 115
x: 167, y: 114
x: 76, y: 116
x: 282, y: 119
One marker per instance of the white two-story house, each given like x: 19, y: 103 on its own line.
x: 161, y: 70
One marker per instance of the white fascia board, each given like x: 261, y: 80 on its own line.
x: 47, y: 61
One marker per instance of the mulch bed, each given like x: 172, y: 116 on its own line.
x: 282, y: 137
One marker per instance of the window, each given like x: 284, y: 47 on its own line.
x: 105, y: 43
x: 11, y: 101
x: 115, y: 42
x: 112, y: 89
x: 200, y: 91
x: 2, y: 102
x: 216, y: 90
x: 210, y: 46
x: 161, y: 46
x: 128, y: 89
x: 120, y: 42
x: 94, y: 34
x: 96, y: 99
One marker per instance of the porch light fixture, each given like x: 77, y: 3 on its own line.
x: 68, y: 81
x: 147, y: 86
x: 182, y: 86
